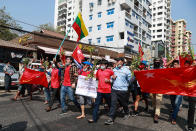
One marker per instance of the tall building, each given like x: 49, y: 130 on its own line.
x: 120, y: 24
x: 161, y: 26
x: 65, y: 13
x: 180, y: 38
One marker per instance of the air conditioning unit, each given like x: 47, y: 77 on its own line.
x: 109, y: 2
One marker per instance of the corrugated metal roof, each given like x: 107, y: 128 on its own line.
x: 15, y: 45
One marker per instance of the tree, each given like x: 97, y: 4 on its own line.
x: 50, y: 27
x: 47, y: 26
x: 7, y: 20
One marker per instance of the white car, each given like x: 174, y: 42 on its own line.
x: 15, y: 76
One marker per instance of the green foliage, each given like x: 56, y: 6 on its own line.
x: 91, y: 75
x: 135, y: 63
x: 7, y: 20
x: 47, y: 26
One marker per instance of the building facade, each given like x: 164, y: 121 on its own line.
x: 119, y: 24
x: 180, y: 38
x: 161, y: 26
x: 65, y: 13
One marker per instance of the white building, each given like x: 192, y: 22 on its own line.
x: 161, y: 24
x: 65, y: 13
x: 118, y: 23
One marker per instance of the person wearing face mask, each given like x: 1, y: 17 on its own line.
x: 69, y: 84
x: 85, y: 71
x: 55, y: 85
x: 157, y: 98
x: 121, y: 81
x: 103, y: 76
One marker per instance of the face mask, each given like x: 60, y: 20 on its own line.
x: 156, y: 65
x: 53, y: 66
x: 102, y: 67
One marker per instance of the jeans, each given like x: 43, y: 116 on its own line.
x: 191, y: 112
x: 123, y: 98
x: 64, y: 91
x: 7, y: 82
x: 98, y: 101
x: 54, y: 94
x: 47, y: 94
x: 176, y: 101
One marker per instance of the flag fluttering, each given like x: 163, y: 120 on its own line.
x: 171, y: 81
x: 34, y: 77
x: 78, y: 55
x: 80, y: 27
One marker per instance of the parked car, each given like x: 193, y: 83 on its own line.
x: 15, y: 76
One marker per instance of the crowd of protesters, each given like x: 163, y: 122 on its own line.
x: 115, y: 84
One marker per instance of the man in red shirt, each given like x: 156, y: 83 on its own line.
x: 69, y: 83
x: 103, y: 76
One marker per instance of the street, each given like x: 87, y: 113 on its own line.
x: 31, y: 116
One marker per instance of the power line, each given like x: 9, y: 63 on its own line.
x: 54, y: 37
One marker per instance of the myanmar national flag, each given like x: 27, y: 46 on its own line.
x: 79, y: 27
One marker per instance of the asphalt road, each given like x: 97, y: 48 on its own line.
x: 31, y: 116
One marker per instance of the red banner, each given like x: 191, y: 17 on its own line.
x: 34, y: 77
x: 171, y: 81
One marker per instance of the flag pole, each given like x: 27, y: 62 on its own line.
x: 64, y: 39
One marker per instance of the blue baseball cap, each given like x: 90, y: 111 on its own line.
x: 88, y: 63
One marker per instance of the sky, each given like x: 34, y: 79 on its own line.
x: 38, y: 12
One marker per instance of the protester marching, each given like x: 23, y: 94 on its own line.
x: 101, y: 82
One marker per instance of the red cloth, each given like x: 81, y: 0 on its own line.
x: 55, y: 79
x: 34, y: 77
x: 171, y: 81
x: 77, y: 54
x: 67, y: 81
x: 84, y: 73
x: 102, y: 75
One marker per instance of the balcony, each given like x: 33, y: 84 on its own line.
x: 135, y: 33
x: 128, y: 15
x: 125, y: 4
x: 143, y: 38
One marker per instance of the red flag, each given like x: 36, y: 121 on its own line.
x: 34, y: 77
x: 77, y: 54
x: 62, y: 56
x: 171, y: 81
x: 141, y: 53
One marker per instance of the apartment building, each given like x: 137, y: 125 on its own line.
x: 65, y: 13
x: 161, y: 26
x: 119, y: 24
x: 180, y: 38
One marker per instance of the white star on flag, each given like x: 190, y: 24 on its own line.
x: 79, y: 52
x: 149, y: 75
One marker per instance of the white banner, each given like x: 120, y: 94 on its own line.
x: 87, y: 87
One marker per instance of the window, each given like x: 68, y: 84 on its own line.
x: 90, y: 17
x: 99, y: 15
x: 98, y: 27
x: 159, y: 30
x: 159, y: 36
x: 160, y: 24
x: 90, y: 41
x: 109, y: 38
x: 90, y: 29
x: 154, y: 25
x: 153, y: 31
x: 99, y: 2
x: 110, y: 25
x: 121, y: 35
x: 160, y: 13
x: 110, y: 11
x: 99, y: 40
